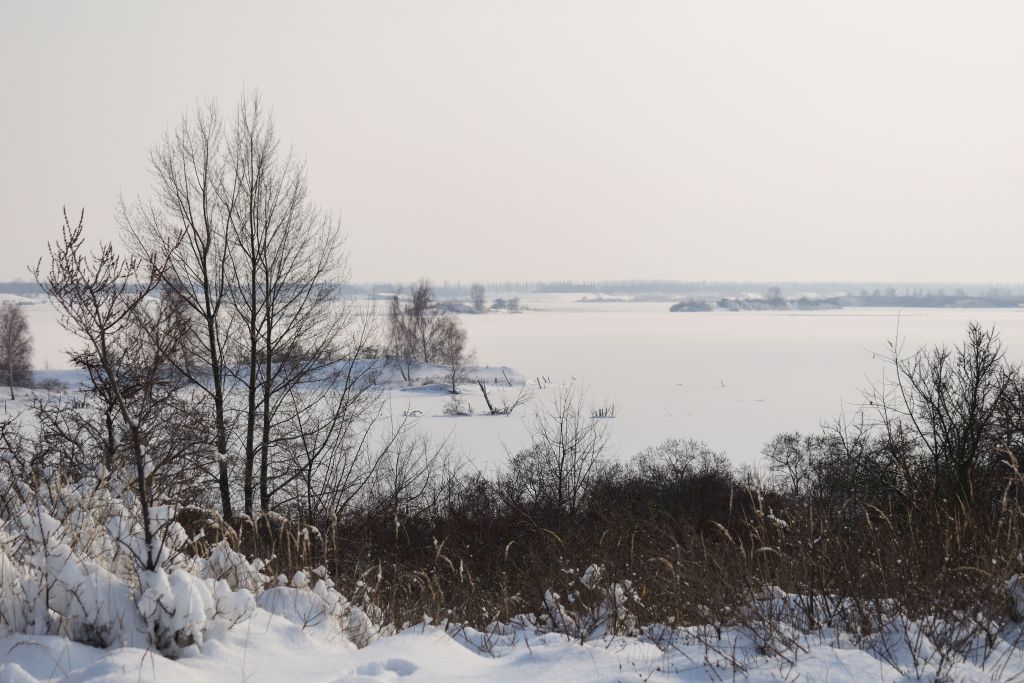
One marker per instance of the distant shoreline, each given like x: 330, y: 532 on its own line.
x: 842, y: 302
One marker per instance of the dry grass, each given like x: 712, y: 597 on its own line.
x: 921, y: 585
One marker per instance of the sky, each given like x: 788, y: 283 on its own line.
x: 544, y: 140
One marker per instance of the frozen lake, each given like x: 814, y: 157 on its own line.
x: 732, y: 379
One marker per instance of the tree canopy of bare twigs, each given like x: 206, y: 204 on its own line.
x: 558, y: 470
x: 196, y: 200
x: 100, y: 297
x: 254, y: 267
x: 420, y: 331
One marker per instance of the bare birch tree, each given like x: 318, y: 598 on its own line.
x: 15, y: 347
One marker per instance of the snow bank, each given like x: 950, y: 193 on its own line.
x: 270, y: 648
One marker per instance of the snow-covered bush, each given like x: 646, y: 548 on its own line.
x: 457, y: 407
x: 313, y: 603
x: 226, y: 564
x: 593, y: 607
x: 71, y: 564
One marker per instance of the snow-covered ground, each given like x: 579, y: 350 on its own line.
x: 77, y: 605
x: 269, y: 648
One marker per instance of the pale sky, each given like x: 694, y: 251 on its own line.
x: 551, y: 140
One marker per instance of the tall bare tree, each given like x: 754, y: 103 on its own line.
x: 254, y: 269
x: 287, y: 265
x: 190, y: 221
x: 15, y: 347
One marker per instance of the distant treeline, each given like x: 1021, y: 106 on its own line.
x: 447, y: 290
x: 921, y: 300
x: 678, y: 289
x: 710, y: 290
x: 21, y: 288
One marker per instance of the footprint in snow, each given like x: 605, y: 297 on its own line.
x: 390, y: 670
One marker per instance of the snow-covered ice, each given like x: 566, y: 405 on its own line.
x: 733, y: 380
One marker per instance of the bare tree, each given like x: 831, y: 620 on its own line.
x: 286, y: 266
x: 792, y: 457
x: 15, y: 347
x: 476, y: 295
x: 401, y: 338
x: 423, y: 318
x: 559, y: 469
x: 416, y: 475
x: 334, y: 457
x: 197, y: 201
x: 98, y: 296
x: 940, y: 415
x: 422, y: 332
x: 326, y: 432
x: 253, y: 267
x: 451, y: 351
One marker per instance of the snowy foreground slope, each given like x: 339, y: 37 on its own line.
x: 271, y: 648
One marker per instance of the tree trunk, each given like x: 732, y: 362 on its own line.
x: 250, y: 446
x: 140, y: 471
x: 268, y: 370
x: 265, y: 438
x: 250, y: 429
x: 110, y: 440
x: 223, y: 480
